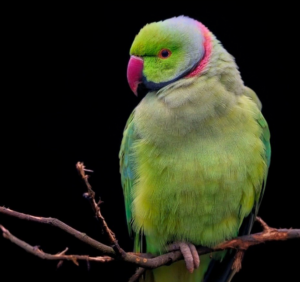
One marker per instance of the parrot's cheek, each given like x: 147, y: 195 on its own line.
x: 135, y: 73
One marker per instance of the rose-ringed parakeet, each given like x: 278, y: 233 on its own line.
x: 195, y: 151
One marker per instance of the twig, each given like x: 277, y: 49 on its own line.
x: 146, y: 260
x: 268, y: 234
x: 264, y: 225
x: 96, y: 208
x: 139, y: 272
x: 237, y: 263
x: 57, y: 223
x: 60, y: 256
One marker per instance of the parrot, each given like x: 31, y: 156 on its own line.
x: 195, y: 151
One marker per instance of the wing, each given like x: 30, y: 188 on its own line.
x: 252, y: 95
x: 265, y: 137
x: 221, y: 271
x: 126, y: 167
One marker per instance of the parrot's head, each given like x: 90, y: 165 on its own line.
x: 166, y: 51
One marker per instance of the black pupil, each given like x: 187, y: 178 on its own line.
x: 164, y: 53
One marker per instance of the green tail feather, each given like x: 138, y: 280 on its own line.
x: 177, y: 272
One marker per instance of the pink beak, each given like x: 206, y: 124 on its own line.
x: 135, y: 72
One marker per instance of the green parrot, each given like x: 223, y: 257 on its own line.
x: 195, y: 151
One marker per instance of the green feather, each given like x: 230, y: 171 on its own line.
x: 265, y: 137
x: 195, y: 154
x: 126, y: 168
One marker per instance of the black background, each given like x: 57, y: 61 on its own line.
x: 65, y: 98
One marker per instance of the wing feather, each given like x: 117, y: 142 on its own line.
x: 126, y: 167
x: 221, y: 271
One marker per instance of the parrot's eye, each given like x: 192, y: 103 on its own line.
x: 164, y: 53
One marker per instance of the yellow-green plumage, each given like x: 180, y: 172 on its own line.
x: 198, y: 153
x: 183, y: 177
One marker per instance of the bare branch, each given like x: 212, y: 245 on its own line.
x: 60, y: 256
x: 143, y: 260
x: 147, y: 260
x: 269, y: 234
x: 237, y: 264
x: 263, y: 224
x: 139, y: 272
x: 239, y: 243
x: 57, y: 223
x: 96, y: 208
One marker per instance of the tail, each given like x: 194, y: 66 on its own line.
x: 177, y: 272
x: 210, y: 270
x: 221, y: 270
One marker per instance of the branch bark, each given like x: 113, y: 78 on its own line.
x: 90, y: 195
x: 61, y: 225
x: 144, y: 261
x: 147, y: 260
x: 60, y: 256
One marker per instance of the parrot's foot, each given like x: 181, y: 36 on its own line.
x: 189, y: 252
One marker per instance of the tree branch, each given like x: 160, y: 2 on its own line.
x: 144, y: 261
x: 60, y: 256
x: 147, y: 260
x: 139, y: 272
x: 90, y: 195
x: 57, y: 223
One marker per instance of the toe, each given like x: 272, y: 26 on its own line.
x: 187, y: 255
x: 195, y: 255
